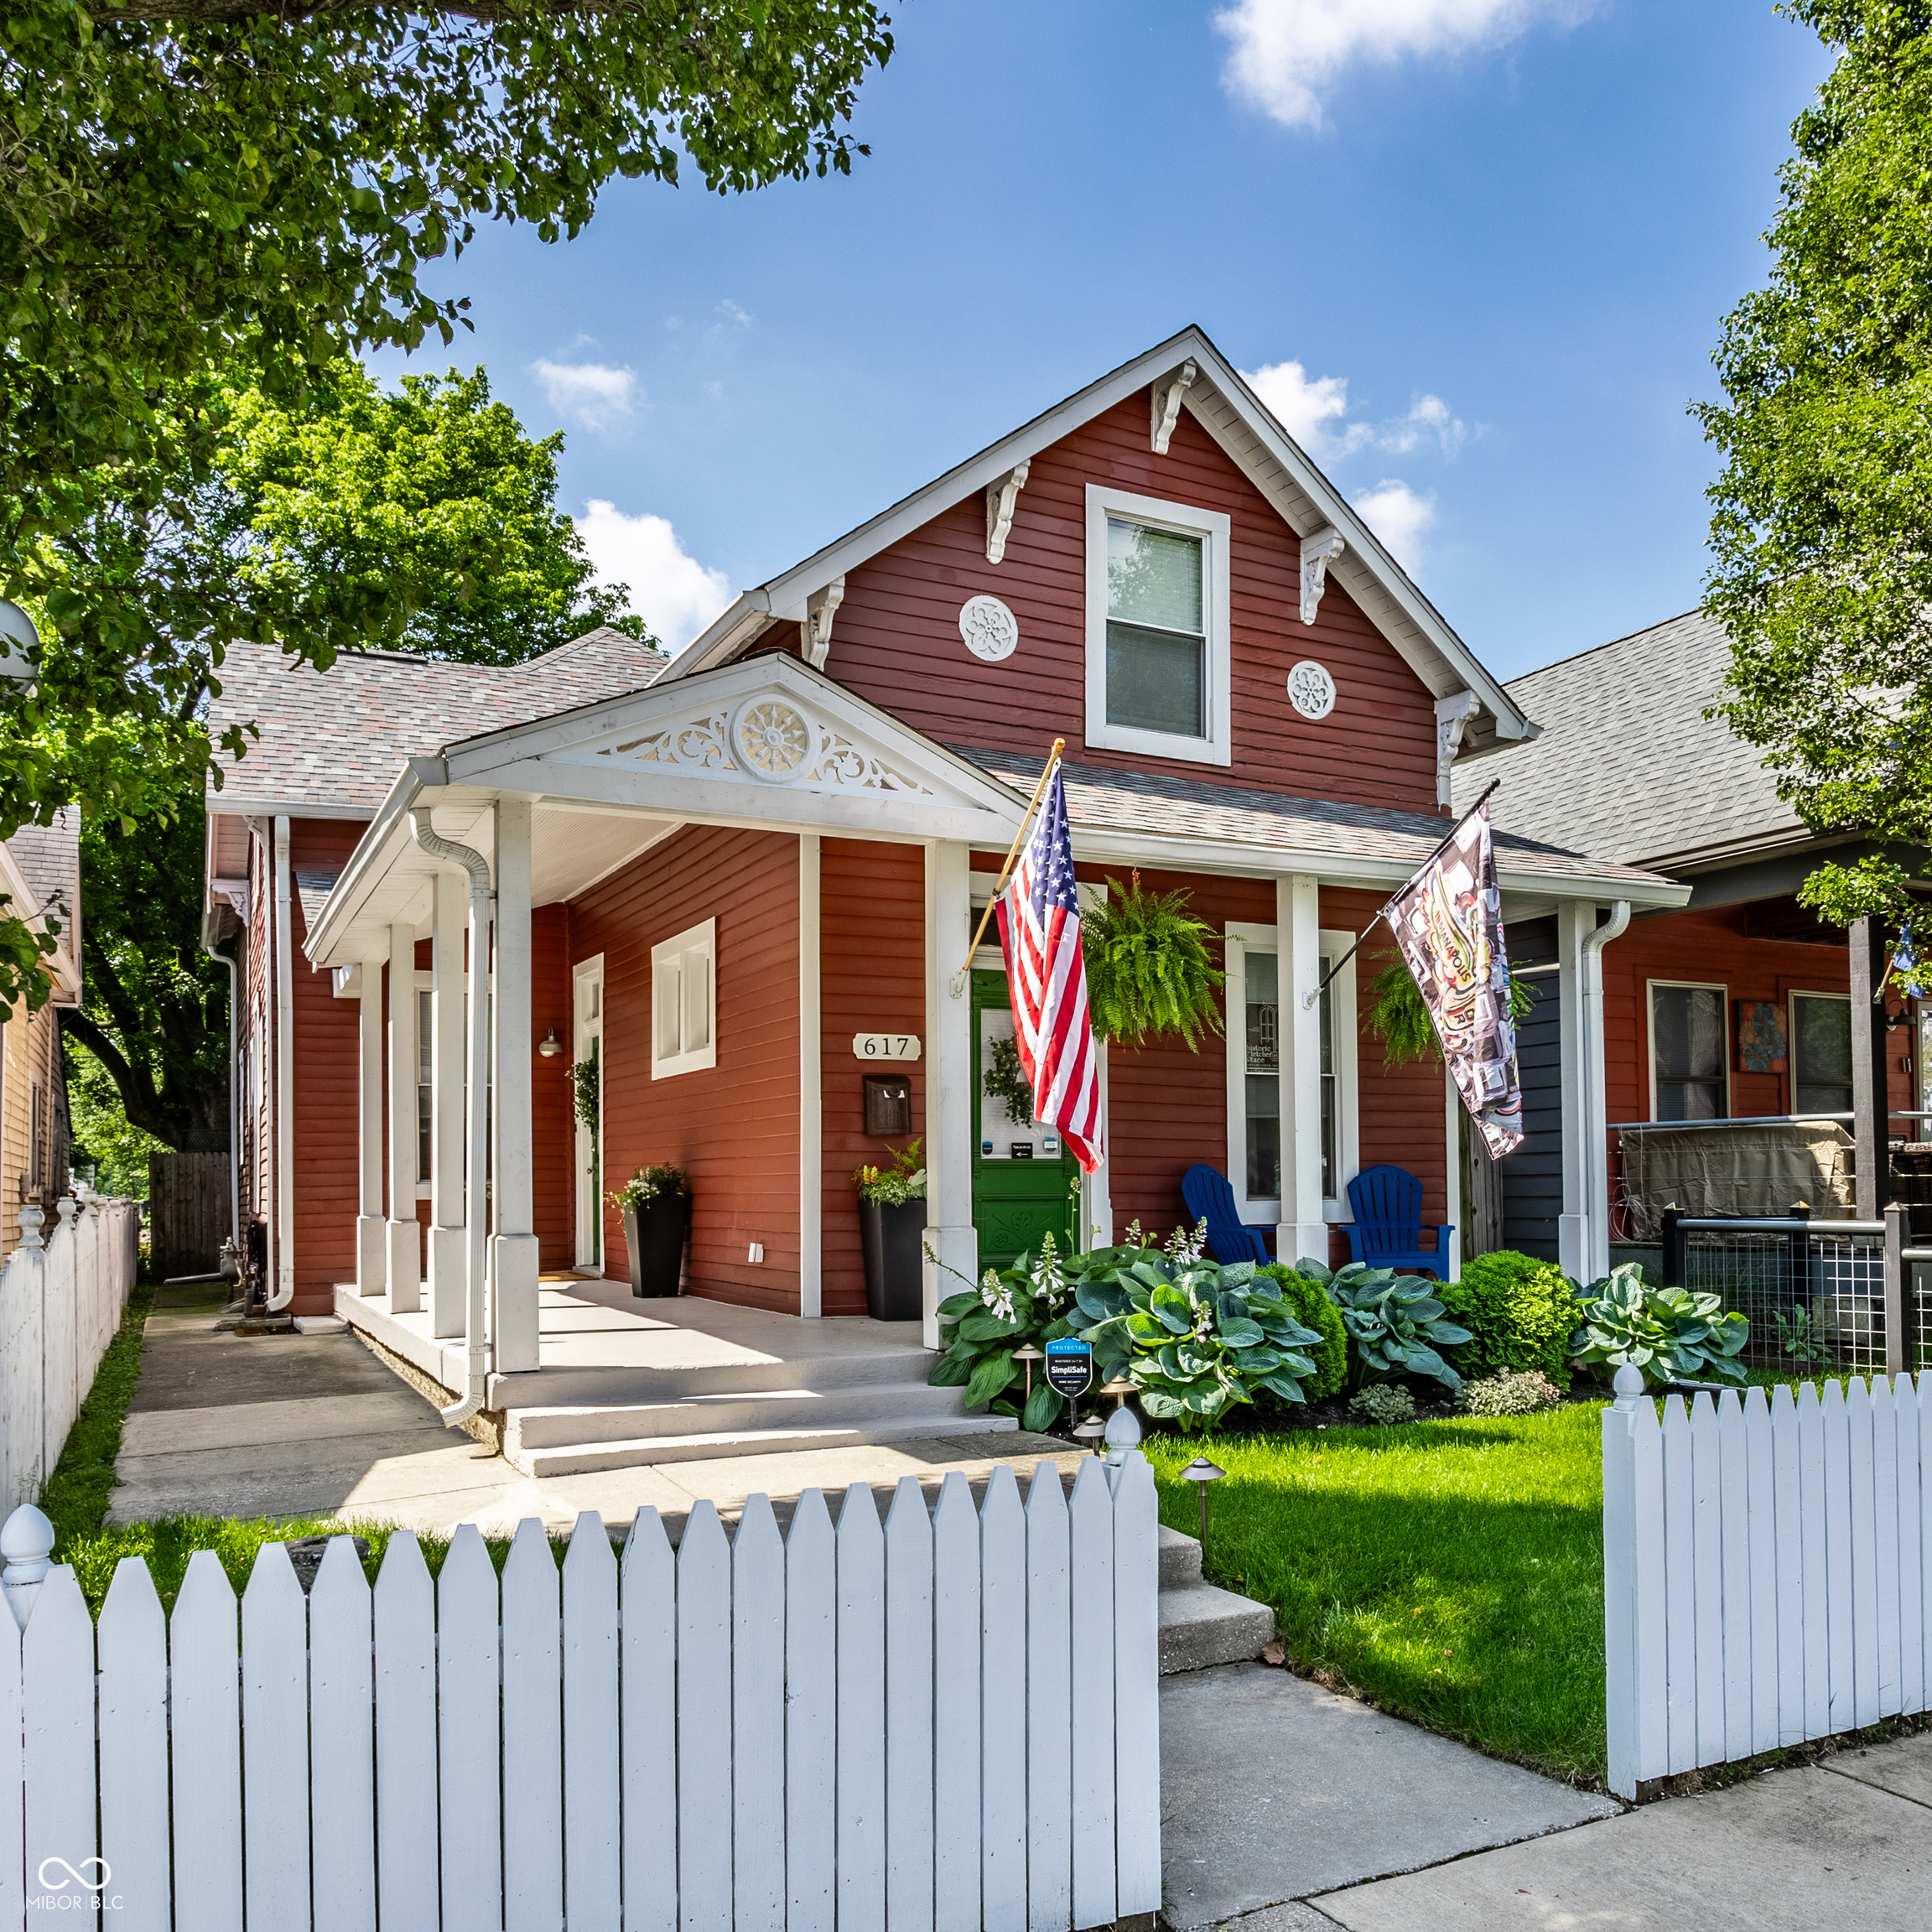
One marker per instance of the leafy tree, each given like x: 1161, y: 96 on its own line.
x: 424, y: 520
x: 1822, y: 573
x: 198, y: 192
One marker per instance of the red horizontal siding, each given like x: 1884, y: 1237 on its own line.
x: 896, y: 638
x: 553, y: 1113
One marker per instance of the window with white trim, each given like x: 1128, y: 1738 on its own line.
x: 1158, y: 678
x: 1255, y: 1074
x: 1689, y: 1069
x: 684, y: 1002
x: 1821, y: 1053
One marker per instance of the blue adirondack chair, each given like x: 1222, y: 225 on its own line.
x: 1387, y: 1204
x: 1209, y: 1198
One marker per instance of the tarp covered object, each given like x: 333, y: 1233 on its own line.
x: 1720, y: 1170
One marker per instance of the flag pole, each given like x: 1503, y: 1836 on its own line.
x: 1000, y: 886
x: 1382, y: 911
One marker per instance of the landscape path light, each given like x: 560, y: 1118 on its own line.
x: 1029, y: 1355
x: 1119, y: 1389
x: 1090, y: 1432
x: 1203, y: 1472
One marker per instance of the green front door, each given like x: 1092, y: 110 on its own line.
x: 1025, y: 1183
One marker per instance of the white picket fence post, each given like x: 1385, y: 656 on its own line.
x: 944, y: 1721
x: 1764, y: 1570
x: 62, y: 1293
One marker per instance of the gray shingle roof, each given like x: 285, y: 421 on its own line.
x: 49, y: 857
x: 1106, y: 799
x: 1628, y: 767
x: 335, y: 740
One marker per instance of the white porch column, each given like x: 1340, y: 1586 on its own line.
x: 1298, y: 1032
x: 405, y: 1245
x: 446, y: 1076
x: 811, y: 1087
x: 371, y: 1238
x: 947, y: 1074
x: 1573, y: 920
x: 513, y: 1269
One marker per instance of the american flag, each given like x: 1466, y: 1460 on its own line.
x: 1039, y: 933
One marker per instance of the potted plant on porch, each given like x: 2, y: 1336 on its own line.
x: 891, y: 1223
x: 657, y: 1204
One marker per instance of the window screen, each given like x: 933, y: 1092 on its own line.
x: 1156, y: 630
x: 1820, y: 1054
x: 1264, y: 1078
x: 1687, y: 1039
x: 425, y: 1088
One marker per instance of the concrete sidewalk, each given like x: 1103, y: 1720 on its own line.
x: 1286, y: 1808
x: 226, y: 1425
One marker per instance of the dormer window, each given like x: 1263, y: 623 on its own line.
x: 1157, y: 655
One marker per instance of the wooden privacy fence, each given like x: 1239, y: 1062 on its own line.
x: 947, y: 1723
x: 61, y: 1300
x: 1766, y: 1567
x: 189, y: 1211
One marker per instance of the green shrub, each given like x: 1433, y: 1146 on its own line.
x: 1508, y: 1395
x: 1671, y: 1334
x: 1308, y: 1300
x: 1394, y: 1323
x: 1520, y: 1313
x: 1382, y: 1402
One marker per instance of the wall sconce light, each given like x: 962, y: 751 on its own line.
x: 550, y: 1045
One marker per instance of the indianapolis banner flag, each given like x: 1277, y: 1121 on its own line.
x: 1040, y: 934
x: 1448, y: 921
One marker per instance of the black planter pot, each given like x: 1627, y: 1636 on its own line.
x: 894, y: 1265
x: 654, y: 1234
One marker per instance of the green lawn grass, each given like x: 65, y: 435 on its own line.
x: 75, y: 1497
x: 1451, y: 1571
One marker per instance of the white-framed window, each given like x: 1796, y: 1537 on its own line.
x: 425, y: 1084
x: 684, y: 1002
x: 1255, y: 1074
x: 1820, y: 1052
x: 1158, y: 653
x: 1690, y: 1057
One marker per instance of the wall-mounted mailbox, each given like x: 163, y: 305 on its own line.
x: 888, y: 1105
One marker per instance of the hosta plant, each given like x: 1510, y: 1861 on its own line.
x: 1382, y: 1402
x: 1193, y: 1337
x: 981, y: 1327
x: 1672, y: 1334
x: 1395, y: 1323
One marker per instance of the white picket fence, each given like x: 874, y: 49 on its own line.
x: 945, y: 1723
x: 60, y: 1302
x: 1766, y: 1570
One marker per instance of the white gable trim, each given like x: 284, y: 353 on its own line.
x: 1253, y: 440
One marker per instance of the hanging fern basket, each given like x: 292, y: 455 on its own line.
x: 1150, y: 971
x: 1399, y: 1018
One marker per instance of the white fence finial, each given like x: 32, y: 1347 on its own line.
x: 66, y: 1208
x: 1628, y: 1384
x: 26, y: 1549
x: 31, y: 1217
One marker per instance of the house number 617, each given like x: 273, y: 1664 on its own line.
x: 886, y: 1046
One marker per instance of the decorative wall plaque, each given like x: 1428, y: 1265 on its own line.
x: 1311, y: 689
x: 772, y: 739
x: 990, y: 630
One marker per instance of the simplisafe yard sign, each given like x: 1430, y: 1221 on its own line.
x: 1070, y: 1365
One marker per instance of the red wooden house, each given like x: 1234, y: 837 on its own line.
x: 722, y: 873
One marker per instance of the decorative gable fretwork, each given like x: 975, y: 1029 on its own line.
x: 1165, y: 397
x: 770, y: 741
x: 1318, y: 552
x: 1002, y: 497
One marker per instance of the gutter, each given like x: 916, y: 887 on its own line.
x: 284, y: 1289
x: 476, y: 1174
x: 1596, y: 1099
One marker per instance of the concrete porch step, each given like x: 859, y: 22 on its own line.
x: 1201, y: 1624
x: 744, y: 1412
x: 578, y: 1458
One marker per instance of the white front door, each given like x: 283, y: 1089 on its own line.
x: 587, y: 1079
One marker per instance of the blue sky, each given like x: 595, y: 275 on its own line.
x: 1494, y: 238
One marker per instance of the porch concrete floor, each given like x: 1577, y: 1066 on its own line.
x: 223, y: 1425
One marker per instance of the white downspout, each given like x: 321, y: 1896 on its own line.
x: 284, y: 1291
x: 476, y: 1177
x: 1596, y: 1103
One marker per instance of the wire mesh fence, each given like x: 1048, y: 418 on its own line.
x: 1814, y: 1297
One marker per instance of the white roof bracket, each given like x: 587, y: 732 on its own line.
x: 1001, y: 498
x: 1452, y: 716
x: 1166, y: 398
x: 815, y: 633
x: 1318, y: 552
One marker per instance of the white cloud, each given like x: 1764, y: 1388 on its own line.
x: 732, y: 312
x: 1399, y: 516
x: 590, y: 394
x: 672, y: 592
x: 1287, y: 54
x: 1313, y: 409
